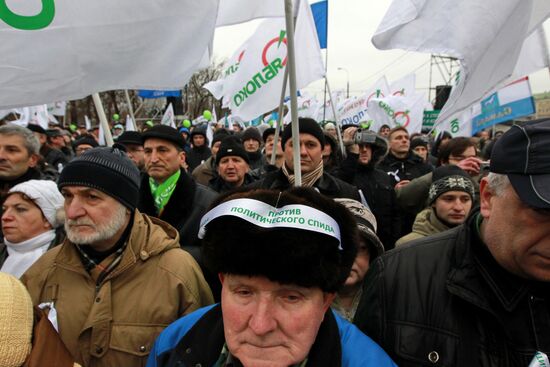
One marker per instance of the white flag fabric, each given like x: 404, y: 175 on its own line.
x: 308, y: 106
x: 24, y: 116
x: 486, y: 36
x: 129, y: 124
x: 102, y: 140
x: 396, y: 110
x: 533, y: 56
x: 460, y: 124
x: 57, y: 108
x: 73, y: 48
x: 255, y: 88
x: 87, y: 122
x: 168, y: 117
x: 404, y: 87
x: 239, y: 11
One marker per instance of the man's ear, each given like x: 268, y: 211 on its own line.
x: 327, y: 300
x: 485, y: 196
x: 33, y: 160
x: 221, y: 277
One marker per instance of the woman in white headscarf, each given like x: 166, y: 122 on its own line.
x: 32, y: 223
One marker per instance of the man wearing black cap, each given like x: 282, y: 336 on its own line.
x: 167, y: 191
x: 133, y: 143
x: 208, y: 169
x: 478, y: 294
x: 120, y: 276
x: 233, y: 165
x: 312, y: 141
x: 84, y: 143
x: 200, y: 151
x: 52, y: 156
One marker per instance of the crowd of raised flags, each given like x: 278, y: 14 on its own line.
x: 496, y: 42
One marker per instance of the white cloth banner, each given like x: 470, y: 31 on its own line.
x: 57, y: 108
x: 396, y: 110
x: 239, y: 11
x: 533, y: 56
x: 404, y: 87
x: 486, y: 36
x: 308, y: 106
x: 168, y: 117
x: 129, y: 124
x: 255, y: 88
x: 73, y: 48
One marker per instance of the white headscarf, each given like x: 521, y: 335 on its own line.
x: 45, y: 195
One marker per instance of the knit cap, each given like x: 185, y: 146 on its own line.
x: 105, y: 169
x: 46, y: 196
x: 307, y: 126
x: 16, y: 322
x: 87, y: 139
x: 450, y: 178
x: 252, y: 133
x: 231, y: 146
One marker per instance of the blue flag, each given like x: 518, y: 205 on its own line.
x: 320, y: 15
x: 143, y: 93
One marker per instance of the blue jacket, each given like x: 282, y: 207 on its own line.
x: 198, y: 338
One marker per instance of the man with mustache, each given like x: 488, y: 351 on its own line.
x: 120, y: 276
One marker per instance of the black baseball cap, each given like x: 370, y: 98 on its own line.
x: 523, y: 154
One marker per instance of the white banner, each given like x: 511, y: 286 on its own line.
x: 57, y: 108
x: 308, y: 106
x: 255, y: 88
x: 398, y: 111
x: 168, y: 117
x: 486, y: 36
x: 72, y: 48
x: 239, y: 11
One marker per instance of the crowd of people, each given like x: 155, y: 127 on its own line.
x: 168, y: 249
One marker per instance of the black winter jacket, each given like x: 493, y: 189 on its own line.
x: 444, y: 301
x: 327, y: 185
x: 377, y: 187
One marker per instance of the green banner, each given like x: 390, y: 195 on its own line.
x: 429, y: 118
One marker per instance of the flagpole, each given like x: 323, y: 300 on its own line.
x: 279, y: 118
x: 291, y: 66
x: 130, y: 109
x: 338, y: 130
x: 103, y: 119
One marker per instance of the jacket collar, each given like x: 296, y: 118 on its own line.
x: 475, y: 271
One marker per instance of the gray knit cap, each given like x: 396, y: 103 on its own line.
x: 105, y: 169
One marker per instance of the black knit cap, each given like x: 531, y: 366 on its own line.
x: 130, y: 137
x: 231, y: 146
x: 86, y: 139
x: 108, y: 170
x: 165, y: 132
x: 267, y: 132
x: 252, y: 133
x: 307, y: 126
x: 450, y: 178
x: 219, y: 136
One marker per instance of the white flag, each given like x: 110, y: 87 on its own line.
x: 57, y: 108
x: 24, y: 116
x: 73, y: 48
x: 102, y: 140
x: 87, y: 122
x: 398, y: 111
x: 308, y: 106
x: 255, y: 88
x: 353, y: 111
x: 404, y: 87
x: 168, y: 117
x: 460, y: 124
x: 129, y: 124
x: 533, y: 56
x: 486, y: 36
x: 239, y: 11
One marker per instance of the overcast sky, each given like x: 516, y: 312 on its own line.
x: 351, y: 25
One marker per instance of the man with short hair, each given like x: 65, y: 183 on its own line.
x: 312, y: 141
x: 52, y: 156
x: 419, y: 145
x: 18, y: 157
x: 84, y: 143
x: 232, y: 162
x: 384, y: 131
x: 56, y: 140
x: 476, y: 295
x: 450, y: 200
x: 133, y: 143
x: 269, y: 143
x: 278, y: 281
x: 120, y: 276
x: 252, y: 142
x: 167, y: 191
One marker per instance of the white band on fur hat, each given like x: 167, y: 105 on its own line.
x: 264, y: 215
x: 45, y: 195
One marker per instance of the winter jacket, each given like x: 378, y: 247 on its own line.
x: 257, y: 160
x: 425, y: 224
x: 197, y: 340
x: 327, y: 185
x: 220, y: 186
x: 54, y: 157
x: 205, y: 172
x: 377, y: 187
x: 444, y: 301
x: 184, y: 210
x: 115, y: 322
x: 196, y: 156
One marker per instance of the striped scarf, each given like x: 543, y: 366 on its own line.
x: 308, y: 179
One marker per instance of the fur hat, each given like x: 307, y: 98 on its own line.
x: 307, y: 126
x: 289, y: 254
x: 16, y: 322
x: 46, y: 196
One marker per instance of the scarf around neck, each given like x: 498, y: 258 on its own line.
x: 162, y: 192
x: 308, y: 179
x: 23, y: 254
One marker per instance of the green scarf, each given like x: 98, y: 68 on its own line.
x: 162, y: 192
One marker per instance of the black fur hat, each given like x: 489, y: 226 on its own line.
x: 232, y: 245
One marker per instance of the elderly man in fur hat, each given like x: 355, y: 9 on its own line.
x: 280, y: 266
